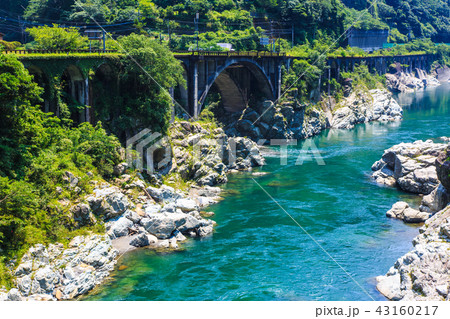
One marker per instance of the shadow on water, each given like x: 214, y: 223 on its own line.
x: 258, y: 253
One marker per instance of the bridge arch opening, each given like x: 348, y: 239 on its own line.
x: 239, y: 84
x: 104, y: 83
x: 41, y: 79
x: 74, y: 91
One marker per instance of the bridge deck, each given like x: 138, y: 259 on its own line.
x: 183, y: 54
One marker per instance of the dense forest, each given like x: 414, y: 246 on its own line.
x: 234, y: 21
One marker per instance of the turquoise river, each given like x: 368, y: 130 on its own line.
x: 258, y: 253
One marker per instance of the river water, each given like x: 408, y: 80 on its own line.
x: 259, y: 253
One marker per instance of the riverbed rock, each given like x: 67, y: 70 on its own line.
x: 204, y: 231
x: 407, y: 82
x: 82, y: 215
x: 109, y: 202
x: 186, y: 205
x: 205, y: 155
x: 389, y: 286
x: 120, y: 169
x: 44, y: 281
x: 163, y: 225
x: 363, y: 107
x: 397, y: 210
x: 411, y: 165
x: 133, y: 216
x: 414, y: 216
x: 164, y: 194
x: 140, y: 240
x: 401, y: 210
x: 159, y: 225
x: 120, y: 227
x: 62, y: 274
x: 14, y: 295
x: 71, y: 179
x: 424, y: 272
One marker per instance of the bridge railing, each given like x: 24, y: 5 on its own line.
x: 56, y: 51
x: 230, y: 53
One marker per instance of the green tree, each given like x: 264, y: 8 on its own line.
x: 35, y: 153
x: 148, y: 71
x: 21, y: 122
x: 47, y: 10
x: 57, y: 38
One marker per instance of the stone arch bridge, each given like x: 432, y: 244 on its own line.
x: 235, y: 75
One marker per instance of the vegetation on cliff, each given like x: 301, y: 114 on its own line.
x: 36, y: 152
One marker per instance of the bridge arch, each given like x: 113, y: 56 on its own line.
x: 75, y: 92
x: 41, y: 78
x: 235, y: 81
x: 102, y: 92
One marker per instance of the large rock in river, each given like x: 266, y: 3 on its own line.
x: 410, y: 166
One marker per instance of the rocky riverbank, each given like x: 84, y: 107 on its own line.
x: 293, y: 120
x: 136, y: 214
x: 424, y: 272
x: 58, y: 273
x: 406, y: 82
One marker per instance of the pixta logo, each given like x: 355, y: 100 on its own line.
x: 147, y: 151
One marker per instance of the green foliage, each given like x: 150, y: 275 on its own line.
x: 246, y: 40
x: 147, y: 71
x: 22, y: 130
x: 303, y: 76
x: 418, y: 46
x: 396, y: 37
x: 322, y: 20
x: 92, y: 146
x: 46, y: 9
x: 5, y: 274
x: 429, y: 19
x: 57, y: 38
x: 5, y: 45
x: 347, y: 52
x: 443, y: 53
x: 305, y: 72
x: 363, y: 78
x: 36, y: 151
x: 363, y: 20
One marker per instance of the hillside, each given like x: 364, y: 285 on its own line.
x: 224, y: 19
